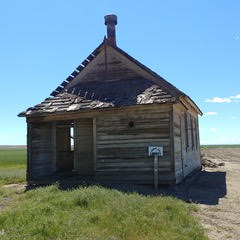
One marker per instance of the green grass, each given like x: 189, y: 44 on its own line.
x: 221, y: 146
x: 97, y: 213
x: 87, y: 213
x: 12, y: 165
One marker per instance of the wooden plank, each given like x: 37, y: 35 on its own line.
x: 54, y: 146
x: 62, y: 116
x: 59, y: 89
x: 80, y: 68
x: 95, y: 52
x: 69, y: 78
x: 90, y: 57
x: 172, y: 141
x: 83, y: 133
x: 95, y: 143
x: 29, y: 152
x: 64, y: 83
x: 74, y: 73
x: 54, y: 93
x: 85, y: 62
x: 41, y: 149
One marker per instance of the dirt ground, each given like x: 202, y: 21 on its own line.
x: 222, y: 218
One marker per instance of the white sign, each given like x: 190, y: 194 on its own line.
x: 155, y: 151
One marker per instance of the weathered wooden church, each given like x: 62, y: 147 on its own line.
x: 101, y: 120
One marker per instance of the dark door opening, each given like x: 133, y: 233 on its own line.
x: 65, y: 146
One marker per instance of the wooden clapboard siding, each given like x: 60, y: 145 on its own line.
x: 122, y: 151
x: 41, y: 150
x: 186, y: 158
x: 83, y: 146
x: 96, y: 71
x: 63, y: 116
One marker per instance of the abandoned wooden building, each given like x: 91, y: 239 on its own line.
x: 100, y: 122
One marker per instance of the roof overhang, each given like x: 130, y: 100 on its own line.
x: 187, y: 99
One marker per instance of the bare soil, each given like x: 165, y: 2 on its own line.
x: 222, y: 219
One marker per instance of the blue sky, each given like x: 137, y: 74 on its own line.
x: 195, y: 45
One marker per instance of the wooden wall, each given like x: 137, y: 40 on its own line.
x: 122, y: 151
x: 83, y: 146
x: 186, y: 141
x: 105, y: 144
x: 41, y: 150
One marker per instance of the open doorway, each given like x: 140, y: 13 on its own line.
x: 65, y: 146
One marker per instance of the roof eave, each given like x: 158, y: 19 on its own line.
x: 192, y: 103
x: 22, y: 114
x: 43, y: 114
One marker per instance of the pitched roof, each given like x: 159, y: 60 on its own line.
x: 95, y: 95
x: 75, y: 95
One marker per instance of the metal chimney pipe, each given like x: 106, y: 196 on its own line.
x: 110, y: 22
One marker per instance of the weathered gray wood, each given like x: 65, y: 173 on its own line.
x: 54, y: 147
x: 187, y: 157
x: 83, y: 152
x: 29, y: 151
x: 95, y: 143
x: 171, y: 145
x: 41, y: 153
x: 121, y: 149
x: 62, y: 116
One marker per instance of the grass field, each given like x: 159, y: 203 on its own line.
x: 86, y: 213
x: 97, y: 213
x: 221, y: 146
x: 12, y: 165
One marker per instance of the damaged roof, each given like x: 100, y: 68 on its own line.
x: 97, y: 95
x: 110, y: 82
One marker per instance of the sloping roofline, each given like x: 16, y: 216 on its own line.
x: 161, y: 81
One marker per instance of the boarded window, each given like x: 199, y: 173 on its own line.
x: 186, y: 130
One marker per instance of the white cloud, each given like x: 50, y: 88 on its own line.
x: 233, y: 118
x: 237, y: 37
x: 219, y: 100
x: 213, y: 129
x: 235, y: 98
x: 211, y: 113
